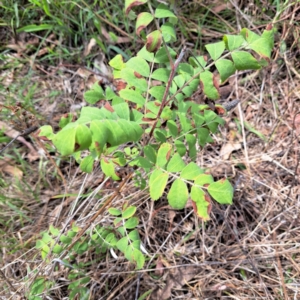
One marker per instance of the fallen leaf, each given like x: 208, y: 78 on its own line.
x: 228, y: 148
x: 176, y: 278
x: 89, y: 47
x: 7, y: 167
x: 12, y: 133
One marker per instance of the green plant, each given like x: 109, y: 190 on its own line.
x: 123, y: 236
x: 154, y: 112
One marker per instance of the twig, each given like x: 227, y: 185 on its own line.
x: 164, y: 99
x: 23, y: 133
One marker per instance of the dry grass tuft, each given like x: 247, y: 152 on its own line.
x: 249, y: 250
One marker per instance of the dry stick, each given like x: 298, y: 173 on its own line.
x: 164, y: 99
x: 280, y: 270
x: 23, y: 133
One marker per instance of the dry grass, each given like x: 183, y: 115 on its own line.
x: 249, y: 250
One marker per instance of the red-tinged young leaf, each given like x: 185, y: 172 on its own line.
x: 142, y: 21
x: 178, y: 194
x: 221, y: 191
x: 108, y: 169
x: 176, y: 163
x: 129, y: 212
x: 226, y: 68
x: 157, y: 183
x: 201, y: 203
x: 163, y: 155
x: 244, y: 61
x: 139, y: 65
x: 129, y: 4
x: 191, y: 171
x: 215, y: 50
x: 233, y: 42
x: 206, y: 79
x: 162, y: 11
x: 146, y: 54
x: 154, y: 40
